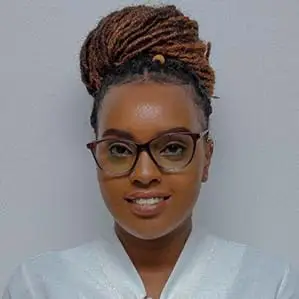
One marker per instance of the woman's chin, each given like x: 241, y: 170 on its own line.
x: 143, y: 231
x: 147, y: 230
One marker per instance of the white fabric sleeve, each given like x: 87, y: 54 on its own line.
x: 21, y: 286
x: 289, y: 287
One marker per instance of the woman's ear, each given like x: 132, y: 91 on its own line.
x: 209, y: 149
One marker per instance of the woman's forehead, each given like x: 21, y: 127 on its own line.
x: 144, y: 109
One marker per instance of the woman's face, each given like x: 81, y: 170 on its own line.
x: 144, y: 110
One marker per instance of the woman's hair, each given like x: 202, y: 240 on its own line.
x: 123, y: 48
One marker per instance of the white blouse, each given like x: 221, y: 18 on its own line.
x: 208, y: 268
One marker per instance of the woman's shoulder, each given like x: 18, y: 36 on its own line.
x: 250, y: 267
x: 246, y: 254
x: 57, y: 269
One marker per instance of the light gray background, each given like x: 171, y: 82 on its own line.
x: 49, y: 197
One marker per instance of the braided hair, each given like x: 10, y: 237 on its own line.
x: 122, y: 46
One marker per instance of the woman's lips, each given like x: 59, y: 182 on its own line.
x: 146, y: 194
x: 152, y: 208
x: 134, y: 200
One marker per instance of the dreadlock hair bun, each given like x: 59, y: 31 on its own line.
x: 144, y: 30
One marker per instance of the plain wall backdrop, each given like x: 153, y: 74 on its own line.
x: 49, y: 198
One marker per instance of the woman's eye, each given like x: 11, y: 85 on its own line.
x: 173, y: 149
x: 119, y: 150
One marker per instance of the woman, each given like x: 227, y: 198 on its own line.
x: 152, y: 84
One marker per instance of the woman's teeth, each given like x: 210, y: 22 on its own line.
x: 148, y: 201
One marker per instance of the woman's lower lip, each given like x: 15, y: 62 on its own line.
x: 147, y: 211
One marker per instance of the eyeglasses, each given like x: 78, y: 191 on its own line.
x: 170, y: 152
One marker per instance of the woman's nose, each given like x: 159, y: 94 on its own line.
x: 145, y: 172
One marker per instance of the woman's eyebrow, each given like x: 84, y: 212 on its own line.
x: 128, y: 135
x: 118, y: 133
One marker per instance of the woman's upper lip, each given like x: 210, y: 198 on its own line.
x: 146, y: 194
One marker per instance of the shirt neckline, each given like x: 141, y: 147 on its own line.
x: 194, y: 241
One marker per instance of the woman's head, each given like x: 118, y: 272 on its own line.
x: 150, y: 77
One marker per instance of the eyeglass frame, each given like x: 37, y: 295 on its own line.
x: 141, y: 147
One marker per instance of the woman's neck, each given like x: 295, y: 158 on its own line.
x: 158, y: 254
